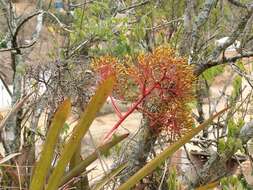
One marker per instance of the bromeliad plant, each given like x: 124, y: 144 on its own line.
x: 58, y: 175
x: 172, y: 93
x: 161, y: 78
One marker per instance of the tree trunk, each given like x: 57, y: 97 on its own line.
x: 13, y: 126
x: 138, y: 149
x: 186, y: 41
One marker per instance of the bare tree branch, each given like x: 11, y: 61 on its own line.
x: 19, y: 47
x: 238, y: 3
x: 5, y: 85
x: 134, y: 6
x: 62, y: 25
x: 199, y: 22
x: 23, y: 21
x: 199, y: 69
x: 14, y: 110
x: 80, y: 4
x: 213, y: 59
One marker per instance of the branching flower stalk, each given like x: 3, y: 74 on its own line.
x: 159, y: 78
x: 131, y: 110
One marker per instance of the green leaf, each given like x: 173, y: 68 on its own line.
x: 211, y: 73
x: 3, y: 44
x: 209, y: 186
x: 81, y: 167
x: 79, y: 131
x: 65, y: 128
x: 241, y: 66
x: 222, y: 145
x: 99, y: 185
x: 153, y: 164
x: 232, y: 182
x: 232, y: 128
x: 172, y: 181
x: 44, y: 163
x: 237, y: 85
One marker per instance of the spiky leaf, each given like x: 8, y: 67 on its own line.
x: 79, y: 131
x: 44, y: 163
x: 153, y: 164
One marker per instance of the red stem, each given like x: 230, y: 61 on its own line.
x: 116, y: 109
x: 131, y: 110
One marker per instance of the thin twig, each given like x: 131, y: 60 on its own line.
x: 163, y: 176
x: 80, y: 4
x: 14, y: 110
x: 134, y: 6
x: 19, y: 47
x: 19, y: 177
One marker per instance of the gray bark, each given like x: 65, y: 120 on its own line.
x: 13, y: 126
x: 214, y: 58
x: 137, y: 150
x: 186, y: 41
x: 201, y: 19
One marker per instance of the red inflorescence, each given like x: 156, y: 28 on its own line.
x: 161, y: 78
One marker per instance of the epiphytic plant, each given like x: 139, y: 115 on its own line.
x: 51, y: 178
x: 159, y: 77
